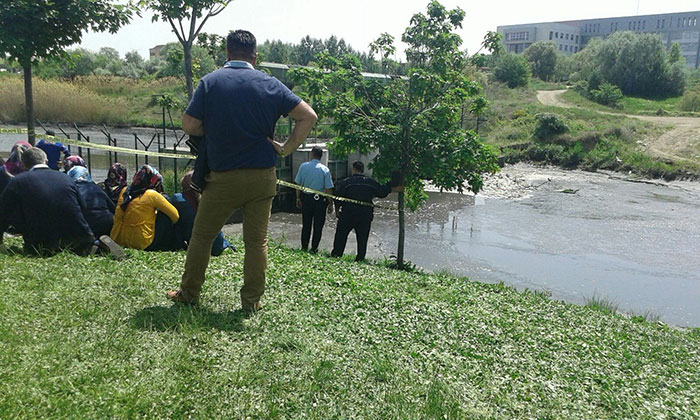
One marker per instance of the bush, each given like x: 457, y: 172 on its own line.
x: 607, y: 94
x: 548, y: 125
x: 512, y: 70
x: 690, y: 101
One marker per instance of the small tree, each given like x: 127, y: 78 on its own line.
x: 674, y: 54
x: 542, y: 57
x: 413, y: 122
x: 186, y: 18
x: 512, y: 70
x: 35, y: 29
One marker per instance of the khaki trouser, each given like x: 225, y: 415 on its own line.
x: 251, y: 189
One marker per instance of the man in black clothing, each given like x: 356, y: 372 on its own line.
x: 46, y: 206
x: 356, y: 216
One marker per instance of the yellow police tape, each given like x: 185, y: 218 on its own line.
x: 88, y: 145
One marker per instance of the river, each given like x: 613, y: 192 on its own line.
x: 636, y: 244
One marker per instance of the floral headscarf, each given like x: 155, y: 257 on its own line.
x: 72, y: 161
x: 13, y: 165
x: 116, y: 181
x: 80, y: 174
x: 146, y: 178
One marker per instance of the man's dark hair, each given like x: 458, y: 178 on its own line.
x: 241, y: 44
x: 358, y: 166
x: 32, y: 157
x: 317, y: 152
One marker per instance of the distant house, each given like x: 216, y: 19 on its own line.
x: 155, y: 51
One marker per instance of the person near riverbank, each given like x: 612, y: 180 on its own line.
x: 353, y: 216
x: 187, y: 203
x: 115, y: 182
x: 13, y: 165
x: 53, y: 152
x: 135, y: 216
x: 99, y: 208
x: 47, y: 209
x: 71, y: 162
x: 235, y: 108
x: 316, y: 176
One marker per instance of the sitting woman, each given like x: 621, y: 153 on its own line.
x: 186, y: 203
x: 135, y: 217
x: 115, y: 182
x: 72, y: 161
x: 12, y: 166
x: 99, y: 208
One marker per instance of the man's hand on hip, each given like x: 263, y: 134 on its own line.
x: 279, y: 147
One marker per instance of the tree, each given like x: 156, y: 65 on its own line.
x: 674, y: 54
x: 34, y: 29
x: 542, y: 57
x: 512, y: 70
x: 186, y: 18
x: 412, y: 122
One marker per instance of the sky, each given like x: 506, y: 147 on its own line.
x: 360, y: 22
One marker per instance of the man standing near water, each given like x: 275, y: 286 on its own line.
x: 316, y: 176
x: 236, y: 109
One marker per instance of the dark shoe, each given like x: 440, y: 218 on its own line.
x: 178, y: 297
x: 255, y: 308
x: 106, y: 243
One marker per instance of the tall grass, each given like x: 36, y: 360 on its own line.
x: 60, y: 102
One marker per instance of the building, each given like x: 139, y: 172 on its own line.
x: 571, y: 36
x: 155, y: 51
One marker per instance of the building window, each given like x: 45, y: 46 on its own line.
x: 518, y: 36
x: 550, y: 35
x: 566, y: 37
x: 663, y: 23
x: 644, y: 24
x: 566, y: 48
x: 559, y: 47
x: 577, y: 39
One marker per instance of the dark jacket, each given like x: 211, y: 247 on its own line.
x: 48, y: 209
x: 361, y: 188
x: 99, y: 208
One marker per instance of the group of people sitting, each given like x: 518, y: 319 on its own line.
x: 54, y: 210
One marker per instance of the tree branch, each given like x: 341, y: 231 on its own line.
x: 172, y: 24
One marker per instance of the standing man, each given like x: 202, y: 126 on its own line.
x: 357, y: 216
x: 316, y: 176
x: 235, y: 108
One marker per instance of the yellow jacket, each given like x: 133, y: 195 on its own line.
x: 135, y: 227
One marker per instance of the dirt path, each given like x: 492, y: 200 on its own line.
x: 681, y: 142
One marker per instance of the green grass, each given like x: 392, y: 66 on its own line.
x: 95, y: 338
x: 630, y: 105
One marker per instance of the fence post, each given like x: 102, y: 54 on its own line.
x: 160, y: 159
x: 175, y: 166
x: 87, y: 139
x: 136, y: 147
x: 116, y: 159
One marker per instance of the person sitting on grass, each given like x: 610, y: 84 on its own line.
x: 13, y: 165
x: 46, y: 207
x: 71, y: 162
x: 135, y: 217
x: 99, y: 208
x: 115, y: 182
x: 186, y: 204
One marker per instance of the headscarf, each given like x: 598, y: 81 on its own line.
x: 191, y: 196
x: 13, y: 165
x: 71, y: 162
x: 80, y: 174
x: 116, y: 181
x: 145, y: 179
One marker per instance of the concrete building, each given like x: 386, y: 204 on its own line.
x: 155, y: 51
x: 571, y: 36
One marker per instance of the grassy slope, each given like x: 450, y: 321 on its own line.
x: 93, y: 338
x: 630, y: 105
x: 595, y: 141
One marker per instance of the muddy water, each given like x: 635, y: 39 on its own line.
x: 634, y: 243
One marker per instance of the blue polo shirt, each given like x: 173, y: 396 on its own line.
x: 240, y: 107
x: 315, y: 175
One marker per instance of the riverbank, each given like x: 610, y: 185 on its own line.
x: 335, y: 340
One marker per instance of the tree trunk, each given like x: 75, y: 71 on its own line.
x: 187, y: 48
x: 402, y: 230
x: 29, y: 103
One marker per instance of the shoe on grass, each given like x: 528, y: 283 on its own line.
x: 178, y: 297
x: 252, y: 309
x: 107, y: 244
